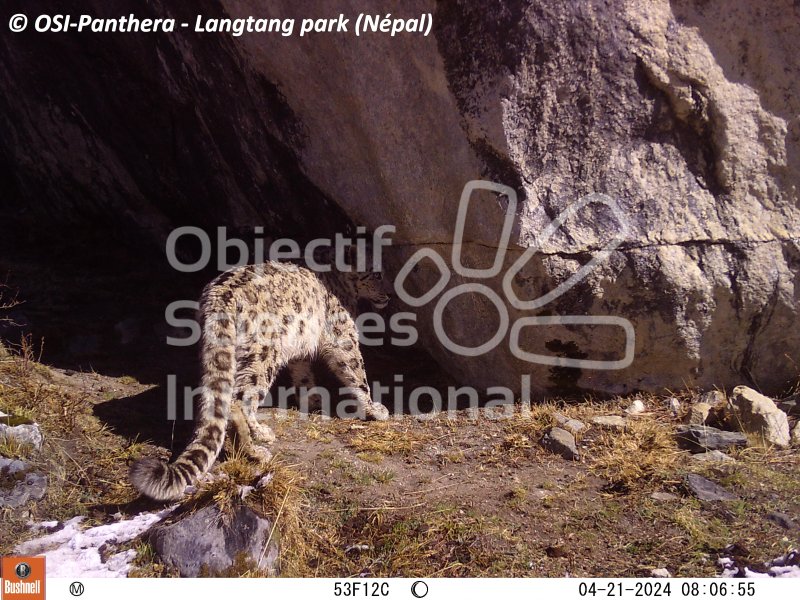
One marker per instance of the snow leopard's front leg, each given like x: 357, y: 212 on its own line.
x: 340, y: 351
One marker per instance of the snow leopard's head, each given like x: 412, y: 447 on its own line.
x: 370, y: 286
x: 369, y: 289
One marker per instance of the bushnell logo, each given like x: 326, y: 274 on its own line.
x: 23, y: 577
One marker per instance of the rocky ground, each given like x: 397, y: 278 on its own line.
x: 582, y: 489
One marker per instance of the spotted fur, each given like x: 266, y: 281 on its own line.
x: 256, y: 319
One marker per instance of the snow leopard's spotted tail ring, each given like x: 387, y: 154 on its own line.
x: 162, y: 481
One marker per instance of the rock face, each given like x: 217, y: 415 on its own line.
x: 201, y: 543
x: 685, y: 115
x: 756, y: 414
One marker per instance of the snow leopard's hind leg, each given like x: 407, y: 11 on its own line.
x: 241, y: 440
x: 301, y: 373
x: 252, y: 383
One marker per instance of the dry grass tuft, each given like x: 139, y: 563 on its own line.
x: 645, y: 453
x: 387, y: 439
x: 441, y: 540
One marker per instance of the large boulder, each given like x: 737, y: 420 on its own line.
x: 758, y: 415
x: 683, y: 116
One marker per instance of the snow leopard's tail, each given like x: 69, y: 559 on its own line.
x: 162, y: 481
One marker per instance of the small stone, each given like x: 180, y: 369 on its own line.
x: 560, y: 441
x: 698, y: 413
x: 713, y: 456
x: 758, y: 415
x: 574, y: 426
x: 660, y: 573
x: 19, y: 484
x: 29, y: 435
x: 571, y: 425
x: 707, y: 490
x: 713, y: 398
x: 664, y: 496
x: 636, y: 408
x: 204, y: 542
x: 796, y: 434
x: 781, y: 519
x: 701, y: 439
x: 609, y: 422
x: 674, y: 406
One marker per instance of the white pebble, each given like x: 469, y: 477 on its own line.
x: 636, y: 408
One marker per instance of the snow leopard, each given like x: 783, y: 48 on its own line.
x: 254, y: 320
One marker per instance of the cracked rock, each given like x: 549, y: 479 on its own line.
x: 702, y: 438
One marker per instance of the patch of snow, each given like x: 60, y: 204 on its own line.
x: 43, y: 525
x: 75, y: 552
x: 784, y: 566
